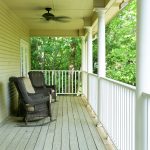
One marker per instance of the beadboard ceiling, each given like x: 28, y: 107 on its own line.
x: 30, y: 12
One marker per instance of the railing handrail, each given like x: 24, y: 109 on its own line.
x: 113, y: 81
x: 55, y: 70
x: 145, y: 94
x: 92, y: 74
x: 131, y: 87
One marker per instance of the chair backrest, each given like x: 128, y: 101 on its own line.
x: 37, y: 79
x: 28, y: 85
x: 22, y: 90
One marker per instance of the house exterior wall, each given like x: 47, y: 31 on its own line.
x: 12, y: 30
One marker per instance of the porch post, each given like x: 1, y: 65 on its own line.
x: 83, y: 59
x: 89, y: 51
x: 101, y: 43
x: 89, y: 58
x: 83, y: 65
x: 143, y: 73
x: 101, y: 55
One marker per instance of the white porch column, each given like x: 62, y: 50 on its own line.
x: 83, y: 66
x: 143, y: 73
x: 101, y: 54
x: 83, y: 58
x: 101, y: 43
x: 89, y: 51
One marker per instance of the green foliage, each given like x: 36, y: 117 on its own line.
x: 121, y: 45
x: 55, y: 53
x: 95, y: 58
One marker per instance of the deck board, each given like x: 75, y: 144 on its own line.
x: 24, y: 140
x: 74, y: 145
x: 56, y: 145
x: 93, y: 130
x: 74, y: 129
x: 65, y: 126
x: 51, y: 130
x: 42, y: 136
x: 88, y: 136
x: 34, y: 137
x: 79, y: 129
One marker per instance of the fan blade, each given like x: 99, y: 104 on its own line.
x: 62, y: 19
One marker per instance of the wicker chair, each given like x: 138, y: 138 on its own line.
x: 35, y: 104
x: 38, y: 82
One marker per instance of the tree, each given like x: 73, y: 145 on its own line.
x: 55, y: 53
x: 121, y: 45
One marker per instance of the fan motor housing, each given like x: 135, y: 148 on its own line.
x: 48, y: 16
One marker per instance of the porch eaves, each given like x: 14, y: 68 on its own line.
x: 81, y: 14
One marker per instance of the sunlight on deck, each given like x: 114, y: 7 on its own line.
x: 73, y: 130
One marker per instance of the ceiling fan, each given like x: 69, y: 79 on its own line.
x: 49, y: 16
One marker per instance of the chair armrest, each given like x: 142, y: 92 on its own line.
x: 40, y: 100
x: 35, y: 95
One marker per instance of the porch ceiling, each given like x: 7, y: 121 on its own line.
x: 30, y: 11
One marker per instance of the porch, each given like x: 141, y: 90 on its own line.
x: 74, y: 129
x: 112, y: 103
x: 122, y: 110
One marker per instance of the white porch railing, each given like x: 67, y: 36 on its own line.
x: 84, y: 83
x: 117, y: 112
x: 66, y: 81
x: 114, y: 104
x: 93, y: 91
x: 112, y: 101
x: 146, y: 98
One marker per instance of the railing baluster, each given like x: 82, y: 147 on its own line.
x: 79, y: 80
x: 72, y: 81
x: 55, y: 73
x: 45, y: 76
x: 59, y: 81
x: 65, y: 81
x: 49, y: 77
x: 52, y: 77
x: 75, y: 84
x: 148, y: 140
x: 146, y: 101
x: 62, y: 82
x: 68, y: 81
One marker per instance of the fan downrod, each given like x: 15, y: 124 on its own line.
x: 48, y: 9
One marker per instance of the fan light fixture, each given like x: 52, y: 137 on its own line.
x: 49, y: 16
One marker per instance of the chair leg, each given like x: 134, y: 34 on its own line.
x: 54, y: 96
x: 52, y: 120
x: 19, y: 109
x: 26, y: 119
x: 50, y: 111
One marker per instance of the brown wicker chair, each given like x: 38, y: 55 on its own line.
x: 35, y: 104
x: 38, y: 82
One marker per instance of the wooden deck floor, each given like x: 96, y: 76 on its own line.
x: 73, y: 130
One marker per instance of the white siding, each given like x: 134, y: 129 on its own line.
x: 12, y: 29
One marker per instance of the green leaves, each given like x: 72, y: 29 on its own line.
x: 121, y: 45
x: 55, y: 53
